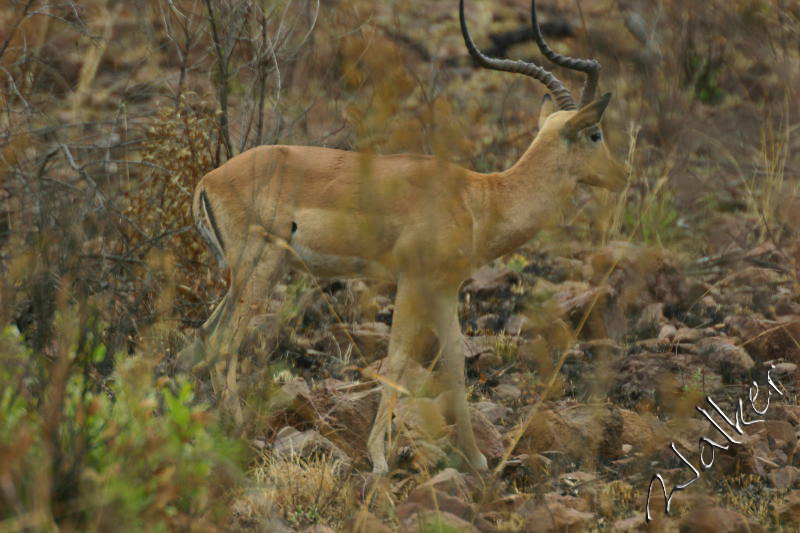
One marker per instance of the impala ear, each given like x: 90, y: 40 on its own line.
x: 588, y: 115
x: 548, y: 107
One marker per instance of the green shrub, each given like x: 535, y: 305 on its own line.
x: 127, y: 453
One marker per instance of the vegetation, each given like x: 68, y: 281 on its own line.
x: 588, y: 348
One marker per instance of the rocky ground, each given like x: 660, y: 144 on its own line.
x: 582, y: 368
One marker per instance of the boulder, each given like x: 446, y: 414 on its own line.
x: 724, y: 356
x: 491, y: 282
x: 291, y: 442
x: 784, y: 478
x: 366, y: 522
x: 415, y: 518
x: 489, y: 440
x: 557, y: 515
x: 788, y: 511
x: 714, y: 520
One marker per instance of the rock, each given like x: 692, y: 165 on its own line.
x: 573, y: 297
x: 667, y: 332
x: 426, y: 520
x: 688, y: 335
x: 727, y: 233
x: 767, y: 339
x: 319, y: 528
x: 784, y: 478
x: 714, y: 520
x: 366, y: 522
x: 452, y: 482
x: 494, y: 412
x: 788, y: 511
x: 638, y: 275
x: 613, y: 496
x: 507, y: 393
x: 634, y: 523
x: 556, y: 515
x: 422, y: 428
x: 293, y: 391
x: 488, y: 361
x: 516, y: 324
x: 475, y: 346
x: 784, y: 369
x: 789, y: 413
x: 589, y: 431
x: 289, y: 442
x: 723, y: 355
x: 652, y: 316
x: 434, y: 499
x: 343, y: 413
x: 577, y: 478
x: 749, y: 457
x: 566, y: 268
x: 580, y: 432
x: 489, y: 282
x: 489, y: 440
x: 638, y: 376
x: 780, y: 435
x: 489, y: 322
x: 537, y: 463
x: 638, y: 430
x: 626, y: 449
x: 371, y: 338
x: 540, y: 435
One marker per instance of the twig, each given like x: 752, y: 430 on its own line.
x: 71, y: 162
x: 222, y: 66
x: 15, y: 27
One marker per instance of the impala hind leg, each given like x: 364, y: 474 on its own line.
x: 193, y: 358
x: 254, y: 272
x: 452, y: 369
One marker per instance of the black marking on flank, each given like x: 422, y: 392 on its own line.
x: 294, y: 227
x: 211, y: 218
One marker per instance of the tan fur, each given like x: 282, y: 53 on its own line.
x: 421, y: 222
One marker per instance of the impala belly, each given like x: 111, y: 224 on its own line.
x: 331, y: 246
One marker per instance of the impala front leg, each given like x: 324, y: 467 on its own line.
x: 452, y: 365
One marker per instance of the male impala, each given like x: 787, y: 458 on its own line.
x: 422, y: 222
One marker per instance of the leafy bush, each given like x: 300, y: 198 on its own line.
x: 135, y: 453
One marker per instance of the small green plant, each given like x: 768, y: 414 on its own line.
x: 435, y: 524
x: 506, y: 347
x: 517, y: 263
x: 292, y: 306
x: 654, y: 218
x: 310, y: 491
x: 303, y: 516
x: 129, y: 450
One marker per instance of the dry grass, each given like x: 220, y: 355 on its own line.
x: 304, y: 492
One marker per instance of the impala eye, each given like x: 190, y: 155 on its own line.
x: 596, y: 136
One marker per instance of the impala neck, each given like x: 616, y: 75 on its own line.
x: 512, y: 206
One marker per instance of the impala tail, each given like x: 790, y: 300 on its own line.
x: 207, y: 226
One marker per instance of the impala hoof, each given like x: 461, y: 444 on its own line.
x: 479, y: 462
x: 380, y: 466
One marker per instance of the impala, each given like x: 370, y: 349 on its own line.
x: 416, y: 220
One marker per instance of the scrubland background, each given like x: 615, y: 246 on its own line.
x: 587, y: 350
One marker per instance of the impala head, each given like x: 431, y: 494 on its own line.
x: 576, y: 129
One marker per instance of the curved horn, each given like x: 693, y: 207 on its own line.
x: 560, y: 93
x: 591, y: 67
